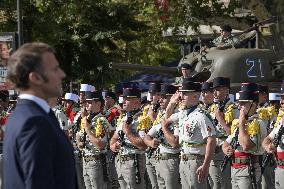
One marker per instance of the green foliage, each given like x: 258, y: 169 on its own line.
x: 89, y: 34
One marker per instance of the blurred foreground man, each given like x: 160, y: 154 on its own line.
x: 37, y: 153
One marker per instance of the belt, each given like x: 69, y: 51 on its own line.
x: 126, y: 157
x: 194, y: 145
x: 93, y: 158
x: 186, y: 157
x: 245, y: 160
x: 167, y: 156
x: 166, y: 145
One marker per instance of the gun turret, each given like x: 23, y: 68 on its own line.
x: 270, y: 20
x: 150, y: 69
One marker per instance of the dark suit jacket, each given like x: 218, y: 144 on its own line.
x: 37, y: 154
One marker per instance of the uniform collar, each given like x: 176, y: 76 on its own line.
x: 190, y: 109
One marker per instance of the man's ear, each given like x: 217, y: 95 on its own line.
x: 35, y: 78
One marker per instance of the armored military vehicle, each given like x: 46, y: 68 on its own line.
x: 259, y: 65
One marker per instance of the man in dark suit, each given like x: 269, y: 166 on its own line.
x: 37, y: 153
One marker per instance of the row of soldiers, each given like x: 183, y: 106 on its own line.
x: 174, y: 140
x: 183, y: 139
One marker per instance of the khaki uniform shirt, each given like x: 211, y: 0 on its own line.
x: 164, y: 146
x: 129, y: 148
x: 194, y: 128
x: 256, y: 139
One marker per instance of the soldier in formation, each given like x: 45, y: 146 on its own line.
x: 155, y: 97
x: 273, y: 144
x: 195, y: 135
x: 244, y: 143
x: 165, y: 157
x: 223, y: 113
x: 128, y: 142
x: 92, y: 141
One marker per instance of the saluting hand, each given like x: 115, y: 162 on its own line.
x: 175, y: 98
x: 115, y: 147
x: 243, y: 113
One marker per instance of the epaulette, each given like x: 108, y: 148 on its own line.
x: 263, y: 114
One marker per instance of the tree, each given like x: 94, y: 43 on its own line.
x: 89, y: 34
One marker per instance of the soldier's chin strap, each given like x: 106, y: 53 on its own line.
x: 247, y: 116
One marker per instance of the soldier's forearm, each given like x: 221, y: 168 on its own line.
x: 225, y: 126
x: 136, y: 141
x: 170, y: 110
x: 98, y: 142
x: 244, y: 138
x: 171, y: 138
x: 210, y: 148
